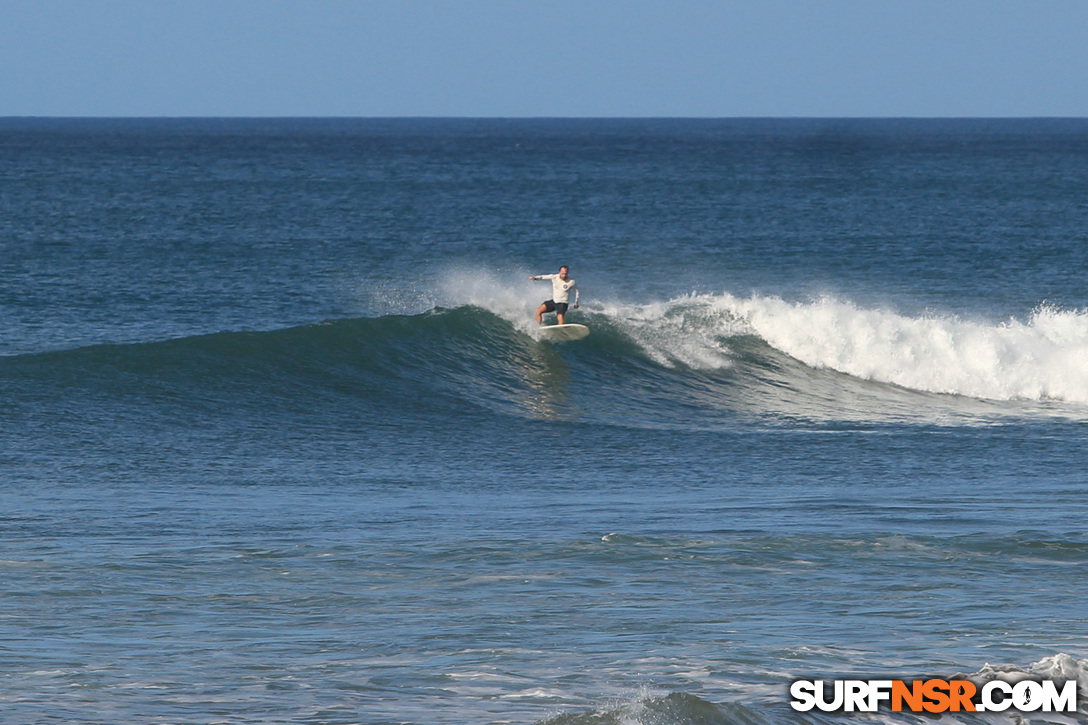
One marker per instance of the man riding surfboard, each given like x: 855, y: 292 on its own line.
x: 562, y: 284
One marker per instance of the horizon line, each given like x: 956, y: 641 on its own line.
x: 167, y: 117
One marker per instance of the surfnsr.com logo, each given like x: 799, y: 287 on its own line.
x: 933, y: 696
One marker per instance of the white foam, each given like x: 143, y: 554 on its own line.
x: 1059, y: 667
x: 1045, y: 358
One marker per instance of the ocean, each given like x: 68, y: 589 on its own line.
x: 281, y: 442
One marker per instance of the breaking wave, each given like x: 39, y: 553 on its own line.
x: 698, y: 361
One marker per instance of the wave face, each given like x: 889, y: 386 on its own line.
x: 699, y: 362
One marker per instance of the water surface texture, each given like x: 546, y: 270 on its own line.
x: 280, y: 443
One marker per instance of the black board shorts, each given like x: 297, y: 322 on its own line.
x: 557, y: 307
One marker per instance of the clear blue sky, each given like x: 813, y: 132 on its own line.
x: 544, y: 58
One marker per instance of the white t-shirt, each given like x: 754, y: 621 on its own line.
x: 561, y: 287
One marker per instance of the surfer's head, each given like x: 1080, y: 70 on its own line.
x: 564, y: 271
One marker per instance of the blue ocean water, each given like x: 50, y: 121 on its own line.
x: 281, y: 443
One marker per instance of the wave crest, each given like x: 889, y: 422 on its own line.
x: 1043, y: 359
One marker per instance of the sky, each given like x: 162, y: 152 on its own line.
x: 544, y: 58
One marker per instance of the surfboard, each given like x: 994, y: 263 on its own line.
x: 562, y: 333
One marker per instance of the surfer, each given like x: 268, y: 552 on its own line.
x: 562, y: 284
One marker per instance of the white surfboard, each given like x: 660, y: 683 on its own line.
x: 562, y: 333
